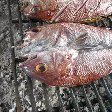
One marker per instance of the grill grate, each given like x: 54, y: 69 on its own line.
x: 87, y: 100
x: 49, y: 108
x: 102, y: 106
x: 76, y: 106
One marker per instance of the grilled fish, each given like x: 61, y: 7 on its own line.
x: 67, y: 54
x: 67, y: 10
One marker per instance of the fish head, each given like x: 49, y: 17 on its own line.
x: 48, y: 67
x: 48, y: 44
x: 66, y: 56
x: 41, y: 9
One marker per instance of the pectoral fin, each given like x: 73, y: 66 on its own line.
x: 81, y: 43
x: 80, y: 40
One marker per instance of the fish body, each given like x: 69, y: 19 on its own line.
x: 68, y: 10
x: 67, y: 54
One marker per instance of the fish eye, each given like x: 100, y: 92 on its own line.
x: 41, y: 68
x: 35, y: 9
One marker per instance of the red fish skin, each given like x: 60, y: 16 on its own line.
x: 47, y: 9
x: 74, y: 54
x: 86, y: 68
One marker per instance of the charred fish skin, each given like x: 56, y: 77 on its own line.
x: 71, y: 54
x: 68, y: 10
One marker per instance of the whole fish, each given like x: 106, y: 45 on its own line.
x: 67, y: 54
x: 67, y: 10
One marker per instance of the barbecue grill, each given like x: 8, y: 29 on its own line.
x: 103, y: 100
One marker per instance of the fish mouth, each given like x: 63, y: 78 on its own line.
x: 21, y: 59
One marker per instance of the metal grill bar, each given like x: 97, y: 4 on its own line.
x: 46, y: 96
x: 109, y: 95
x: 76, y: 106
x: 20, y: 20
x: 102, y: 106
x: 60, y: 100
x: 87, y: 99
x: 31, y: 96
x: 106, y: 86
x: 13, y: 64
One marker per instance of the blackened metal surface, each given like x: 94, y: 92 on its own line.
x: 13, y: 64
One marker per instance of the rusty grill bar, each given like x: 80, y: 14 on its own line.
x: 49, y: 108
